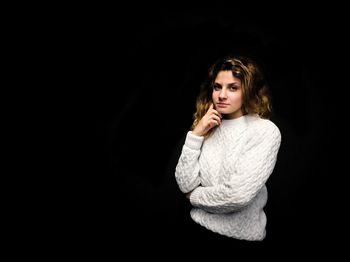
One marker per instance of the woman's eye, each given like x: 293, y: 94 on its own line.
x: 217, y: 87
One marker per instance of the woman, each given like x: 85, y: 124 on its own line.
x: 230, y: 151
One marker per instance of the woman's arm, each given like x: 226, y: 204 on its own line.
x: 187, y: 168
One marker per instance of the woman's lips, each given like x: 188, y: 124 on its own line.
x: 222, y: 105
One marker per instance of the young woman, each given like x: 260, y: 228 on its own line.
x: 230, y: 151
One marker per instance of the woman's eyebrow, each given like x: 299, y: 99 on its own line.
x: 229, y: 84
x: 233, y: 84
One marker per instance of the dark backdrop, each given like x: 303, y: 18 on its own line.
x: 145, y: 70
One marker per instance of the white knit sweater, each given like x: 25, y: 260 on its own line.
x: 227, y: 173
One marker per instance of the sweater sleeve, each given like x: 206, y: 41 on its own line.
x: 187, y: 168
x: 254, y: 166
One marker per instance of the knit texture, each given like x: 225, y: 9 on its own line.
x: 227, y: 172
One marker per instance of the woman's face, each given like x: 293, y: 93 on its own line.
x: 227, y: 95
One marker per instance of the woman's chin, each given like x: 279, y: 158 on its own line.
x: 222, y: 111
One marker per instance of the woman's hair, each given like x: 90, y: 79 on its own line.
x: 256, y: 98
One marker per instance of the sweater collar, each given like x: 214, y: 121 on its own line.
x: 237, y: 121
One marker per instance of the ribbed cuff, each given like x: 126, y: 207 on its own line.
x: 194, y: 198
x: 193, y: 141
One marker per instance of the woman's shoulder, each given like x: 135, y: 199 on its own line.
x: 263, y: 125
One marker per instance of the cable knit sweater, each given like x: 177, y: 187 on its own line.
x: 227, y: 172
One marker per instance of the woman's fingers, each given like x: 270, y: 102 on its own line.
x: 211, y: 110
x: 213, y: 120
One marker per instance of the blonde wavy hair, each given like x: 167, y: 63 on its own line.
x: 256, y: 97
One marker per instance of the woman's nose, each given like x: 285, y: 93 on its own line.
x: 223, y: 93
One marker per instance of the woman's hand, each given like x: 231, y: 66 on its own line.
x: 210, y: 119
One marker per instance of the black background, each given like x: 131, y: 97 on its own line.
x: 142, y: 71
